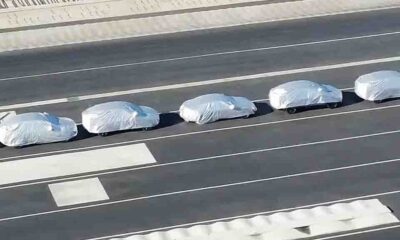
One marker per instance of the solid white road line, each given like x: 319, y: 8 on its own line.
x: 199, y: 83
x: 78, y: 192
x: 61, y: 165
x: 361, y: 232
x: 249, y: 215
x: 214, y: 187
x: 202, y: 159
x: 200, y: 132
x: 202, y: 56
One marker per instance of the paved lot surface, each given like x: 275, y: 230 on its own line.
x: 270, y: 162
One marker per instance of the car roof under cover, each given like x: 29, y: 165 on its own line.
x: 30, y: 117
x: 213, y: 97
x: 386, y: 75
x: 120, y: 105
x: 294, y: 85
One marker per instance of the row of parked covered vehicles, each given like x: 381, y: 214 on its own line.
x: 37, y: 128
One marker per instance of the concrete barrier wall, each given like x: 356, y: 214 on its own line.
x: 10, y: 5
x: 100, y: 31
x: 83, y: 10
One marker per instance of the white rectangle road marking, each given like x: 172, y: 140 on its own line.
x: 77, y: 192
x: 74, y: 163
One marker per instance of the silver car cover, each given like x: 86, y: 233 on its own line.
x: 36, y: 128
x: 212, y: 107
x: 117, y: 116
x: 377, y: 86
x: 303, y: 93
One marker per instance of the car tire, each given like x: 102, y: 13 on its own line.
x: 291, y: 110
x: 147, y: 128
x: 104, y: 134
x: 246, y: 116
x: 378, y: 101
x: 333, y: 105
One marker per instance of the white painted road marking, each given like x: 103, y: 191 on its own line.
x: 74, y: 163
x: 249, y: 215
x: 361, y: 232
x: 335, y: 218
x: 210, y: 158
x: 201, y: 56
x: 201, y: 132
x: 317, y: 221
x: 198, y: 83
x: 214, y: 187
x: 78, y: 192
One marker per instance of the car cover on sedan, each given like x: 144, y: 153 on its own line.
x: 377, y: 86
x: 303, y: 93
x: 212, y: 107
x: 118, y: 116
x: 36, y: 128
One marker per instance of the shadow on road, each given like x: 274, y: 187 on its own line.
x: 389, y: 100
x: 83, y: 134
x: 263, y: 108
x: 350, y: 98
x: 169, y: 119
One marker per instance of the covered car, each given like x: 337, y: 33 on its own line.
x: 212, y: 107
x: 117, y: 116
x: 291, y: 95
x: 377, y: 86
x: 36, y: 128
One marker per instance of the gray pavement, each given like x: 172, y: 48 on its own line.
x: 272, y: 161
x: 195, y: 69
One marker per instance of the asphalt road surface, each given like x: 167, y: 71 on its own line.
x: 270, y: 162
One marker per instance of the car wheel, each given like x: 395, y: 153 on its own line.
x: 333, y: 105
x: 147, y: 128
x: 378, y: 101
x: 104, y: 134
x: 246, y: 116
x: 291, y: 110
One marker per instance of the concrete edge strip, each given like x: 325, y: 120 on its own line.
x: 300, y: 223
x: 109, y: 30
x: 360, y: 197
x: 361, y: 232
x: 137, y: 15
